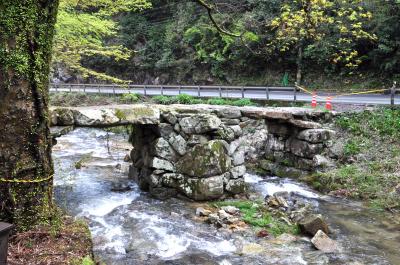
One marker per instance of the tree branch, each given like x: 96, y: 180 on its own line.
x: 210, y: 10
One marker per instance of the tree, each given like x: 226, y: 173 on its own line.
x: 26, y: 169
x: 84, y: 29
x: 26, y: 39
x: 304, y: 25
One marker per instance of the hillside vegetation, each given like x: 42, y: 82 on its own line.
x: 331, y: 44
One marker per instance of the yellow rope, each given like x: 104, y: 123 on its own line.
x: 26, y: 181
x: 341, y: 95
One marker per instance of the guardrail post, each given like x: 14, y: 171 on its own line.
x: 98, y: 87
x: 84, y: 88
x: 295, y: 92
x: 5, y: 229
x: 70, y: 88
x: 393, y: 93
x: 198, y: 91
x: 180, y: 89
x: 162, y: 91
x: 56, y: 87
x: 267, y: 93
x: 145, y: 90
x: 220, y: 91
x: 242, y: 92
x: 113, y: 91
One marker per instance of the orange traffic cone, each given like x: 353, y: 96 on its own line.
x: 328, y: 105
x: 314, y: 101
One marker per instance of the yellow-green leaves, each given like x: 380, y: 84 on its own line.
x: 82, y: 30
x: 307, y: 22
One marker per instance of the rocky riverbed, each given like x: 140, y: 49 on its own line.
x: 130, y: 227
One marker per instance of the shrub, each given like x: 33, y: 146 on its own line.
x: 218, y: 101
x: 131, y: 97
x: 185, y: 99
x: 164, y: 100
x: 242, y: 102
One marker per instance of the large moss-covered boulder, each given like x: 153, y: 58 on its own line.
x: 205, y: 160
x: 202, y: 189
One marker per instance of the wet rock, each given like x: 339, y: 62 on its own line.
x: 198, y: 124
x: 238, y: 172
x: 127, y: 158
x: 225, y: 133
x: 303, y: 148
x: 179, y: 144
x: 322, y: 242
x: 229, y: 113
x: 262, y: 233
x: 238, y: 157
x: 172, y: 180
x: 163, y: 193
x: 202, y: 212
x: 286, y: 238
x: 195, y: 139
x: 237, y: 130
x: 236, y: 186
x: 277, y: 201
x: 274, y: 144
x: 213, y: 218
x: 227, y: 218
x: 205, y: 160
x: 316, y: 135
x: 164, y: 150
x: 311, y: 224
x: 166, y: 130
x: 170, y: 117
x: 202, y: 189
x: 120, y: 187
x: 158, y: 163
x: 62, y: 117
x: 231, y: 210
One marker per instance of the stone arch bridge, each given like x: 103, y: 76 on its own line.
x: 201, y: 151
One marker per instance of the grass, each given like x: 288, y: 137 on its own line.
x: 255, y: 214
x: 370, y: 166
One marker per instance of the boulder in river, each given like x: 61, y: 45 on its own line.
x: 322, y: 242
x: 312, y: 224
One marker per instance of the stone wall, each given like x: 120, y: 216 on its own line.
x: 200, y: 151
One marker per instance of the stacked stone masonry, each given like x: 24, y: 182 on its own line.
x: 201, y: 151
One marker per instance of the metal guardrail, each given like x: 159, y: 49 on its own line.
x: 145, y: 89
x: 295, y: 94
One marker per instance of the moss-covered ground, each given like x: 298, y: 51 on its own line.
x: 255, y: 214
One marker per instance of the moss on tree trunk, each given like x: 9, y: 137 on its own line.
x: 26, y: 34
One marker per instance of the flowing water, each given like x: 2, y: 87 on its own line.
x: 129, y: 227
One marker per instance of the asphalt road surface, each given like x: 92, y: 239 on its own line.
x: 370, y: 99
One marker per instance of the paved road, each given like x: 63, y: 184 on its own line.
x: 288, y: 95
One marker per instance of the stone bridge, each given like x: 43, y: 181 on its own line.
x: 200, y: 151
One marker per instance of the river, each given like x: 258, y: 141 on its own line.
x: 129, y: 227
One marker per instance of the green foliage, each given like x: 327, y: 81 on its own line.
x: 164, y: 100
x: 373, y: 174
x: 256, y: 215
x: 242, y: 102
x: 218, y: 101
x: 185, y: 99
x: 82, y: 30
x: 384, y: 122
x: 131, y: 97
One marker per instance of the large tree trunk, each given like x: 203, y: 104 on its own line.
x: 26, y: 169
